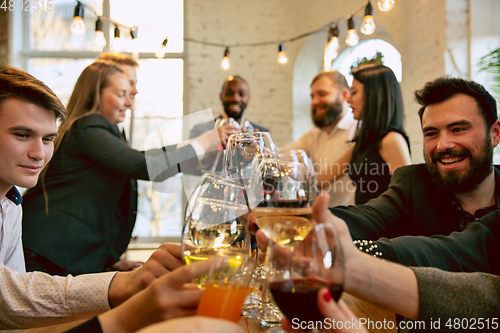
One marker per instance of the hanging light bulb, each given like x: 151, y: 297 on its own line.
x: 99, y: 39
x: 368, y: 25
x: 160, y: 53
x: 385, y: 5
x: 331, y: 49
x: 117, y: 41
x: 352, y: 36
x: 134, y: 47
x: 333, y: 40
x: 134, y: 32
x: 225, y: 61
x: 78, y: 26
x: 282, y: 58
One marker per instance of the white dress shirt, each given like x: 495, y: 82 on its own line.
x: 37, y: 299
x: 324, y: 149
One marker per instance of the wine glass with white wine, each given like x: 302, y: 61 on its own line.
x: 211, y: 225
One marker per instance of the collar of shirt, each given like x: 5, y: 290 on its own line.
x: 223, y: 115
x: 345, y: 122
x: 468, y: 217
x: 14, y: 196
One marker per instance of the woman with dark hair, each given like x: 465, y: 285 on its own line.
x: 381, y: 145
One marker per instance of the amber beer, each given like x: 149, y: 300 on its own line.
x: 222, y: 301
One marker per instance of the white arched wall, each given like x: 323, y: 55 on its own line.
x: 309, y: 62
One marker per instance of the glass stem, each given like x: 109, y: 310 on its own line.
x: 265, y: 293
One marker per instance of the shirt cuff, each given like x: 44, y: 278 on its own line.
x: 86, y: 287
x: 198, y: 148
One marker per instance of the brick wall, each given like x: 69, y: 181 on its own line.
x: 419, y: 29
x: 416, y: 28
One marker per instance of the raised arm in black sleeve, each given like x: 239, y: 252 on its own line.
x: 474, y: 249
x: 412, y: 205
x: 97, y: 142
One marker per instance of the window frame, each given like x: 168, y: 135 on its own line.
x: 21, y: 54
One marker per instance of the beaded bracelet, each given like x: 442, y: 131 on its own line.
x: 369, y: 247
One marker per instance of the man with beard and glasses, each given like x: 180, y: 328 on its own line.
x: 332, y: 134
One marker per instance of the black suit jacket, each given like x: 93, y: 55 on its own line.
x: 210, y: 156
x: 414, y: 206
x: 92, y: 198
x: 207, y: 126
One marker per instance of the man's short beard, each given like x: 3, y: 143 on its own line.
x: 480, y: 167
x: 332, y: 114
x: 234, y: 115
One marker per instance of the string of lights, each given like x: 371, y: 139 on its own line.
x: 331, y: 48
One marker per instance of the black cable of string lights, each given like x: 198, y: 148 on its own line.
x: 236, y: 45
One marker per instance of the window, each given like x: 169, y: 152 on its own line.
x: 43, y: 45
x: 368, y: 49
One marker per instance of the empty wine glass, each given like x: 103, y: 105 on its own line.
x: 242, y: 148
x: 297, y: 270
x: 245, y: 127
x: 300, y: 156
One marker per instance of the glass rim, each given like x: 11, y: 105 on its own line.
x: 221, y: 179
x: 220, y: 202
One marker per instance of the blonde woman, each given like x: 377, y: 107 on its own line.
x: 87, y: 193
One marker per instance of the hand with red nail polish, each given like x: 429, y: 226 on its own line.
x: 339, y: 312
x: 327, y: 296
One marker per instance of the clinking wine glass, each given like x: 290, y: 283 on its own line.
x: 297, y: 270
x: 278, y: 192
x: 240, y: 128
x: 217, y: 187
x: 213, y: 186
x: 242, y: 148
x: 212, y: 224
x: 300, y: 156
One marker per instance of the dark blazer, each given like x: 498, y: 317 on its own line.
x: 412, y: 205
x: 204, y: 127
x: 475, y: 249
x: 92, y: 198
x: 210, y: 156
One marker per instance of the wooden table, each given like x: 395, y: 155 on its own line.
x: 361, y: 308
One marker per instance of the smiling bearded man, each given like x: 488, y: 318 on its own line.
x: 481, y: 166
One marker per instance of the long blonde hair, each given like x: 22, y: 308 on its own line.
x: 86, y: 96
x: 85, y: 99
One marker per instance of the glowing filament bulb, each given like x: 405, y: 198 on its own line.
x: 352, y: 36
x: 385, y: 5
x: 282, y: 58
x: 368, y: 25
x: 78, y: 26
x: 99, y: 39
x: 117, y: 42
x: 331, y: 49
x: 225, y: 61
